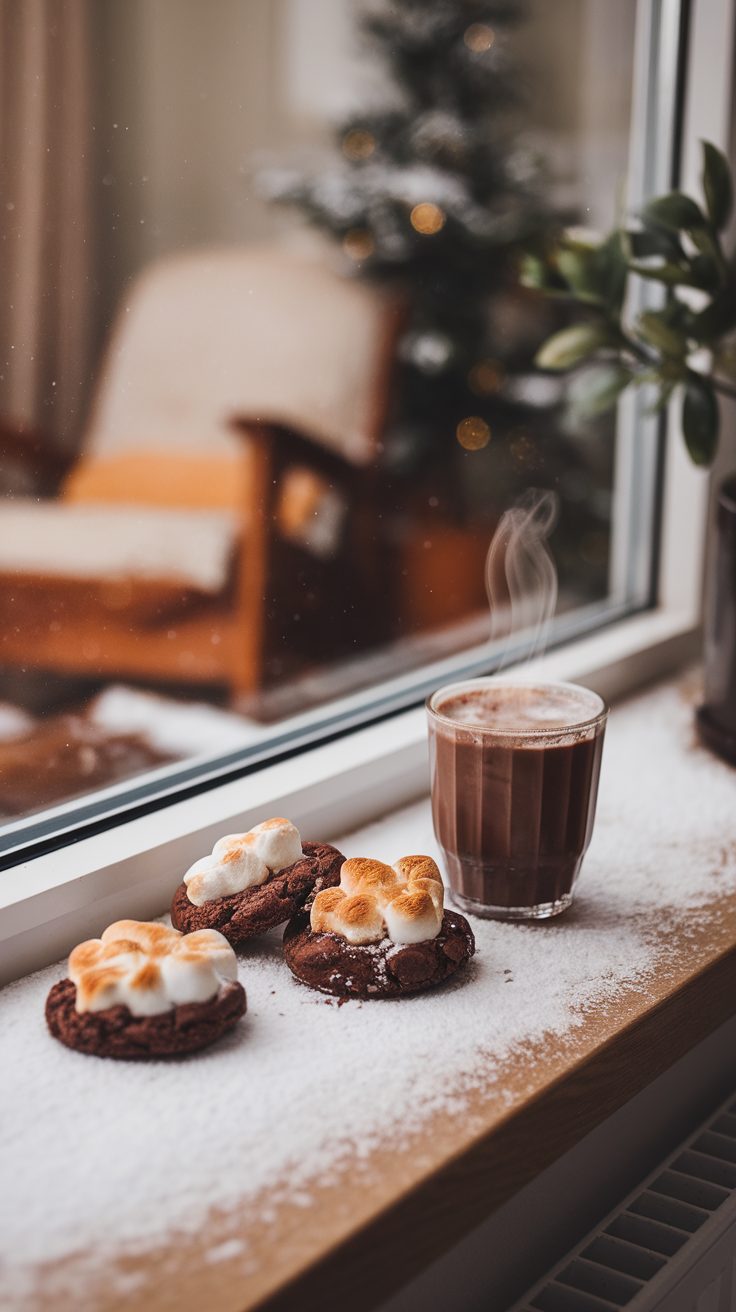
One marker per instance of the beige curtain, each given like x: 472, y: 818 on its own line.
x: 46, y: 255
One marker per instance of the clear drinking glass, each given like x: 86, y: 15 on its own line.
x: 514, y: 769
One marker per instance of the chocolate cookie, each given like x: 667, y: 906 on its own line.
x: 241, y: 916
x: 376, y: 970
x: 116, y: 1032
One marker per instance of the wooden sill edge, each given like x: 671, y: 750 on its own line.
x: 440, y: 1211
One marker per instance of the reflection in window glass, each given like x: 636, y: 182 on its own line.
x: 268, y: 369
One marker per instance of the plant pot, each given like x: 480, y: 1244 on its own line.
x: 716, y: 718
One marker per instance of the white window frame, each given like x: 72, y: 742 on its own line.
x: 52, y: 901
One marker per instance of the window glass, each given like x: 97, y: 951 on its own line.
x: 269, y: 374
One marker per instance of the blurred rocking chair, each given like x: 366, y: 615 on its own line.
x: 218, y: 523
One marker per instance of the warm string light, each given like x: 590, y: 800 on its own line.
x: 473, y: 433
x: 427, y: 219
x: 486, y: 377
x: 358, y: 244
x: 478, y: 37
x: 358, y: 144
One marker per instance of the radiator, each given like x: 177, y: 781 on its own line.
x: 671, y: 1245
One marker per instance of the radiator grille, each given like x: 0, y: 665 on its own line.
x: 671, y: 1245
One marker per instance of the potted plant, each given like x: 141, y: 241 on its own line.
x: 687, y: 345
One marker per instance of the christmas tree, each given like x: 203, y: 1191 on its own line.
x: 428, y: 194
x: 435, y: 193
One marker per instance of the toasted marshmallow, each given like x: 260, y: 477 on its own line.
x: 151, y: 969
x: 95, y: 954
x: 240, y: 861
x: 155, y: 940
x: 278, y: 843
x: 411, y: 868
x: 188, y: 979
x: 413, y: 916
x: 361, y: 875
x: 212, y: 945
x: 355, y: 918
x: 404, y: 902
x: 323, y: 907
x: 144, y: 992
x: 231, y: 871
x: 436, y: 891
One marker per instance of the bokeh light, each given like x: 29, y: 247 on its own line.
x: 479, y: 37
x: 473, y: 433
x: 524, y: 449
x: 486, y: 377
x: 358, y: 144
x: 427, y: 218
x: 358, y: 244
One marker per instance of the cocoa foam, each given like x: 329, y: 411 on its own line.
x: 516, y: 708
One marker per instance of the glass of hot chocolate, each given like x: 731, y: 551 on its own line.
x: 514, y: 769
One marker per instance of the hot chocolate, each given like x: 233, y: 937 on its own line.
x: 514, y: 780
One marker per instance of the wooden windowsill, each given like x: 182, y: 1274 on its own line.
x: 651, y: 961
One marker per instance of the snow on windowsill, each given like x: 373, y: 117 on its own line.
x: 92, y: 1160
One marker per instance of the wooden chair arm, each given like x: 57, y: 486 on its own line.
x: 287, y: 447
x: 282, y: 580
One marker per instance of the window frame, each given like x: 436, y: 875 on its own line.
x: 50, y: 901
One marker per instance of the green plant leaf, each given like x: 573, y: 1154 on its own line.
x: 717, y: 185
x: 535, y: 272
x: 596, y: 274
x: 655, y: 330
x: 700, y: 420
x: 675, y: 211
x: 655, y: 241
x: 677, y: 314
x: 717, y: 318
x: 705, y: 242
x: 705, y: 273
x: 532, y: 272
x: 596, y: 389
x: 579, y: 271
x: 571, y: 345
x: 612, y: 268
x: 672, y: 274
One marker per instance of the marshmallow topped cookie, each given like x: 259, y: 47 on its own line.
x: 143, y: 990
x: 382, y: 932
x: 404, y: 902
x: 241, y: 861
x: 149, y: 968
x: 254, y: 881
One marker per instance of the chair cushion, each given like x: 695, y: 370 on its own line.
x: 192, y: 548
x: 181, y: 481
x: 257, y: 332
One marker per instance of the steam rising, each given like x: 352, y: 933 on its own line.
x: 521, y: 577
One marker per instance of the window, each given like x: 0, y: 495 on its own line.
x: 190, y: 604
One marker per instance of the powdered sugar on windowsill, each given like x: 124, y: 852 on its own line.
x: 101, y: 1158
